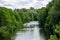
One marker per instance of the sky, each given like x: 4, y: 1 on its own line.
x: 23, y: 3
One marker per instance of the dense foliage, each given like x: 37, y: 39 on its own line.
x: 48, y: 17
x: 9, y: 21
x: 12, y: 20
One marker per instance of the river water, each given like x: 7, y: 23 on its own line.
x: 31, y: 31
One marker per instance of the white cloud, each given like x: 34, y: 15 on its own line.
x: 23, y: 3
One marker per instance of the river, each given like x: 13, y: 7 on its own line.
x: 31, y: 31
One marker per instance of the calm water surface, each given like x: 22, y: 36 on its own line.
x: 30, y: 32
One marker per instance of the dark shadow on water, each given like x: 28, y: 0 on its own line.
x: 44, y: 34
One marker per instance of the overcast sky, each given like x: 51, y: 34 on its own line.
x: 23, y: 3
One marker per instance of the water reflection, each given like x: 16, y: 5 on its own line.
x: 30, y: 33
